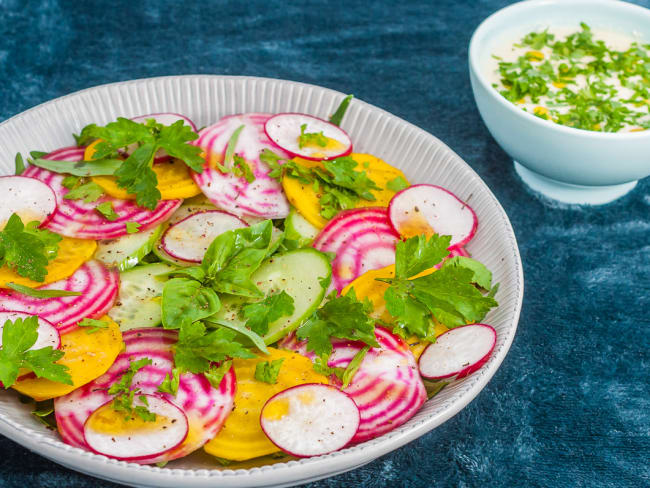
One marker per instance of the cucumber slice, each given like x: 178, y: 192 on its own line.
x: 304, y: 274
x: 138, y: 302
x: 127, y: 251
x: 297, y: 227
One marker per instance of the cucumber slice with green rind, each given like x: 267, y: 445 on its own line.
x: 304, y: 274
x: 127, y: 251
x: 297, y: 227
x: 138, y: 302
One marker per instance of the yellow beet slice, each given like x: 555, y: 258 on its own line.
x: 306, y: 200
x: 72, y: 254
x: 88, y: 356
x: 174, y: 180
x: 241, y: 437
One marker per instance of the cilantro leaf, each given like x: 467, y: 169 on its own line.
x: 344, y: 317
x: 88, y: 192
x: 27, y: 251
x: 174, y: 140
x: 337, y: 117
x: 216, y: 373
x: 137, y: 177
x: 482, y: 275
x: 170, y: 385
x: 107, y: 211
x: 419, y: 253
x: 93, y: 325
x: 311, y: 138
x: 132, y: 227
x: 123, y: 401
x: 268, y: 371
x: 18, y: 337
x: 397, y: 184
x: 260, y: 314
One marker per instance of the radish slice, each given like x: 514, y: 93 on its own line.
x: 285, y: 130
x: 204, y: 406
x: 362, y: 240
x: 47, y: 333
x: 459, y: 352
x: 387, y: 387
x: 310, y: 420
x: 164, y: 119
x: 264, y: 196
x: 29, y: 198
x: 75, y: 218
x: 423, y: 209
x: 98, y: 285
x: 188, y: 239
x: 454, y: 251
x: 107, y: 432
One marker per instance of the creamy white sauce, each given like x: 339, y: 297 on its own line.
x: 614, y: 40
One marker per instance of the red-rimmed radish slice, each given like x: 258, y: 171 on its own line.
x: 425, y: 209
x: 285, y: 130
x: 164, y: 119
x: 75, y: 218
x: 362, y: 240
x: 99, y: 287
x: 264, y: 196
x: 188, y: 239
x: 310, y: 420
x: 47, y: 333
x: 454, y: 251
x: 29, y: 198
x: 205, y: 407
x: 107, y: 432
x: 458, y: 352
x: 387, y: 387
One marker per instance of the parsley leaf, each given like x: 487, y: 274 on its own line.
x: 260, y: 314
x: 18, y: 337
x: 216, y: 373
x: 170, y: 385
x: 93, y: 325
x: 337, y: 117
x: 137, y: 177
x: 123, y: 401
x: 268, y: 371
x: 419, y: 253
x: 344, y: 317
x: 397, y: 184
x: 88, y: 192
x: 272, y: 160
x: 27, y: 250
x: 242, y: 169
x: 70, y: 181
x: 132, y: 227
x: 107, y: 211
x: 311, y: 138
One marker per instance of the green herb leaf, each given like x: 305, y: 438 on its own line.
x: 353, y: 366
x: 216, y: 373
x: 272, y: 160
x: 260, y: 314
x: 19, y: 164
x: 268, y: 371
x: 337, y: 117
x: 103, y: 167
x: 124, y: 393
x: 70, y: 182
x: 39, y: 293
x: 242, y: 169
x: 419, y: 253
x: 186, y: 300
x: 107, y: 211
x: 311, y: 138
x: 132, y: 227
x: 243, y: 330
x: 174, y: 140
x: 88, y: 192
x: 93, y: 325
x: 170, y: 385
x: 482, y: 275
x: 397, y: 184
x: 137, y: 177
x: 230, y: 149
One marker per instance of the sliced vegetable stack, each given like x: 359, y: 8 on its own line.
x: 252, y: 288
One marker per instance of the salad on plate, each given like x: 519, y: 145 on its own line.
x: 254, y: 288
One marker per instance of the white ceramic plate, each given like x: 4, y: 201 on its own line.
x: 205, y: 99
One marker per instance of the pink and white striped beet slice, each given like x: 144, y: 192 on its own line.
x: 29, y: 198
x: 47, y: 333
x: 99, y: 287
x: 165, y: 118
x: 205, y: 407
x: 362, y: 240
x: 264, y: 196
x: 75, y: 218
x: 387, y: 387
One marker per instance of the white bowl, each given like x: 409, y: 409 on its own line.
x: 205, y: 99
x: 566, y: 164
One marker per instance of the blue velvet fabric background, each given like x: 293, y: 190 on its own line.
x: 570, y: 407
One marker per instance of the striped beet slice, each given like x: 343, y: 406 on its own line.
x: 75, y: 218
x: 264, y: 196
x: 205, y: 407
x: 387, y: 387
x: 362, y: 239
x: 99, y: 287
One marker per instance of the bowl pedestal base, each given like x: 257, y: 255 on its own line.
x: 568, y: 193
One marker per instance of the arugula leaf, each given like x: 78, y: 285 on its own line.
x: 311, y: 138
x: 216, y: 373
x: 337, y: 117
x: 185, y: 300
x: 268, y: 371
x: 197, y: 347
x: 103, y: 167
x: 19, y: 164
x: 107, y: 211
x: 124, y: 393
x: 344, y: 317
x: 353, y: 366
x: 170, y: 385
x: 88, y: 192
x: 397, y: 184
x: 38, y: 293
x: 419, y: 253
x: 132, y: 227
x: 260, y: 314
x: 93, y: 325
x: 18, y: 337
x: 27, y: 251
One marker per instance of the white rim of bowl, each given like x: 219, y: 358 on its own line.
x: 474, y: 63
x: 290, y: 472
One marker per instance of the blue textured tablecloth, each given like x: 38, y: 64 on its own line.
x: 570, y: 405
